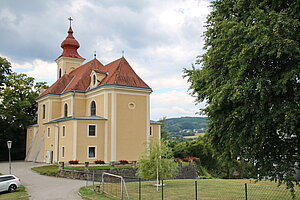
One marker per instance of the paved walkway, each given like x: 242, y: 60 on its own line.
x: 43, y: 187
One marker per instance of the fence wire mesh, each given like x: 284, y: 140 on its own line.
x: 199, y: 189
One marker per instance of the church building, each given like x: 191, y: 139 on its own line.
x: 92, y: 112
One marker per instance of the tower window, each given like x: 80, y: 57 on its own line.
x: 44, y: 111
x: 66, y: 110
x: 59, y: 73
x: 93, y: 108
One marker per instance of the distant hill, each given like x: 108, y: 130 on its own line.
x: 185, y: 126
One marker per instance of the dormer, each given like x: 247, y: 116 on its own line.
x: 96, y: 77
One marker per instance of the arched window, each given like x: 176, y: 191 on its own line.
x: 66, y: 110
x: 93, y: 108
x: 44, y: 111
x: 59, y: 73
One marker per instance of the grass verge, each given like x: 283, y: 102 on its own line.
x: 225, y: 189
x: 20, y: 194
x: 47, y: 170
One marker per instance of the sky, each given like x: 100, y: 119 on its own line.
x: 159, y: 39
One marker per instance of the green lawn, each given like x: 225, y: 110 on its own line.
x: 20, y: 194
x: 48, y: 170
x: 207, y: 189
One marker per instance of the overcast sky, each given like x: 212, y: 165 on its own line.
x: 159, y: 38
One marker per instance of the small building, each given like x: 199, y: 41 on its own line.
x: 92, y: 112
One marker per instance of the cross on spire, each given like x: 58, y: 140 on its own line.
x: 70, y: 19
x: 95, y: 54
x: 122, y: 53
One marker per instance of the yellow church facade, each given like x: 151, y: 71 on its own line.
x: 92, y: 112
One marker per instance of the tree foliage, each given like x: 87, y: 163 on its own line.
x: 250, y: 78
x: 5, y: 70
x: 157, y: 160
x: 17, y: 110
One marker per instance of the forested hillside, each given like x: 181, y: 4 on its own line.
x: 184, y: 127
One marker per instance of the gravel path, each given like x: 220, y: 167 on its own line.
x: 43, y: 187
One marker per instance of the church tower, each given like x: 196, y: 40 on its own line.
x: 70, y: 58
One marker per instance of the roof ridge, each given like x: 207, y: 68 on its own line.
x: 68, y: 84
x: 115, y: 71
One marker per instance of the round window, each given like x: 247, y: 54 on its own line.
x: 131, y: 105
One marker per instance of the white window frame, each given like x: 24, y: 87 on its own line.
x: 88, y: 156
x: 48, y: 132
x: 93, y: 100
x: 63, y: 151
x: 62, y: 130
x: 88, y: 130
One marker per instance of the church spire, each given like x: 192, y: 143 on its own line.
x: 70, y: 44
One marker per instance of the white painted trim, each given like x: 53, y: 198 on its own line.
x: 131, y: 105
x: 106, y: 127
x: 87, y: 152
x: 148, y: 119
x: 74, y: 139
x: 133, y: 91
x: 62, y: 131
x: 89, y: 129
x: 89, y: 108
x: 55, y: 155
x: 159, y: 132
x: 63, y: 109
x: 50, y: 111
x: 113, y: 126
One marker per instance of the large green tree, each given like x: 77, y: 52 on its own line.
x: 250, y: 78
x: 17, y: 110
x: 5, y: 70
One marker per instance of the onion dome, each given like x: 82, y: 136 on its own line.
x: 70, y: 46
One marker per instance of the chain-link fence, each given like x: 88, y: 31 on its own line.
x: 198, y: 189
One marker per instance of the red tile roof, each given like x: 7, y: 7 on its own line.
x: 119, y: 72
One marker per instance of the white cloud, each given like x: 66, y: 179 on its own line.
x: 159, y: 38
x: 173, y: 104
x: 37, y: 69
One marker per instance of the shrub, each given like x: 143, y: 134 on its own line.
x: 72, y: 162
x: 100, y: 162
x: 190, y: 159
x: 123, y: 162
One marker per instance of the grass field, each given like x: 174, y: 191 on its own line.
x: 208, y: 189
x: 20, y: 194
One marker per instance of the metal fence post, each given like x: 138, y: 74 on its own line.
x: 196, y: 192
x: 140, y: 189
x: 246, y: 192
x: 162, y: 189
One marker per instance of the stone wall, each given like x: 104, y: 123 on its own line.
x: 186, y: 172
